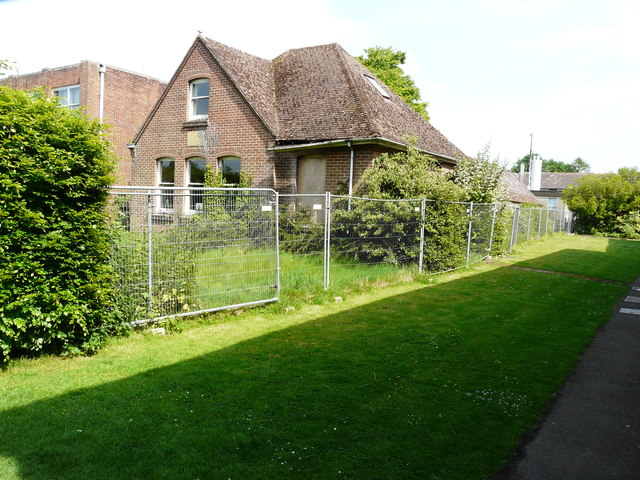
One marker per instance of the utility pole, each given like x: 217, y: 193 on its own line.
x: 530, y: 149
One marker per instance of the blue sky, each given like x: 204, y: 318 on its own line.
x: 493, y: 71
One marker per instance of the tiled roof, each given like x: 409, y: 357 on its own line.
x: 253, y: 77
x: 319, y: 93
x: 518, y: 191
x: 556, y: 180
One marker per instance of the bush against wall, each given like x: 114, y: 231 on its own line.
x: 389, y: 230
x: 56, y: 283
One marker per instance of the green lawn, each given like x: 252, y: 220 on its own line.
x: 434, y: 380
x: 611, y: 259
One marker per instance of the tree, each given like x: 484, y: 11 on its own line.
x: 551, y: 165
x: 603, y: 203
x: 482, y: 178
x: 580, y: 166
x: 385, y: 63
x: 56, y: 283
x: 6, y: 66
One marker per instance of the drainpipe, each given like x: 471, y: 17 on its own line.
x: 351, y: 162
x: 102, y: 69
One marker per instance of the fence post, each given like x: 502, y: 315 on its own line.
x: 327, y: 239
x: 529, y: 223
x: 277, y: 225
x: 422, y: 218
x: 546, y: 222
x: 540, y: 224
x: 514, y: 226
x: 150, y: 251
x: 469, y: 231
x: 493, y: 226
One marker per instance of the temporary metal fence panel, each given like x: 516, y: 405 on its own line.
x: 367, y: 232
x: 303, y: 242
x: 185, y: 251
x: 482, y: 219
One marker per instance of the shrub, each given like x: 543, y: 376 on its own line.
x: 300, y: 231
x: 629, y: 225
x: 602, y: 203
x: 389, y: 231
x: 56, y: 282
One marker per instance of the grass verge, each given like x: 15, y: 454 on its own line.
x: 433, y: 380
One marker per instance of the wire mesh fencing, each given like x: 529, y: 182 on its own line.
x: 535, y: 222
x: 188, y: 251
x: 327, y: 237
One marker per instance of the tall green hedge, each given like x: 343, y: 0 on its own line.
x: 56, y: 282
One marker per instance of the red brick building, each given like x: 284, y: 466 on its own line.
x: 122, y: 99
x: 300, y: 123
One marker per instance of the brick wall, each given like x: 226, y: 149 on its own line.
x: 337, y: 166
x: 128, y: 99
x: 232, y: 128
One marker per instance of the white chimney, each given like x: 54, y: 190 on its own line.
x: 535, y: 173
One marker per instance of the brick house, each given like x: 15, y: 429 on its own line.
x: 122, y: 99
x: 299, y: 123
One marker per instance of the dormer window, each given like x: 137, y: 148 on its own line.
x: 199, y: 99
x: 377, y: 86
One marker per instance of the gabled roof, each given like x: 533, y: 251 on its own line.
x: 252, y: 75
x: 318, y: 94
x: 556, y: 180
x: 518, y: 191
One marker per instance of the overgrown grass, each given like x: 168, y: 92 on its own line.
x: 433, y: 380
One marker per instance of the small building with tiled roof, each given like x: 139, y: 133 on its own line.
x: 551, y: 186
x: 308, y: 121
x: 517, y: 191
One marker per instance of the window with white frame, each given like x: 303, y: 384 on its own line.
x: 195, y: 179
x: 230, y: 169
x: 552, y: 203
x: 166, y: 182
x: 199, y: 99
x: 69, y: 97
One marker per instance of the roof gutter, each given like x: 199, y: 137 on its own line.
x: 384, y: 142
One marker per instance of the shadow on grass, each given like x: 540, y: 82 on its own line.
x: 619, y: 262
x: 437, y: 383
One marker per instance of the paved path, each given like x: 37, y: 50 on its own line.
x: 592, y: 432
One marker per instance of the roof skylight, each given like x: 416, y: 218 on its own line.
x: 377, y: 86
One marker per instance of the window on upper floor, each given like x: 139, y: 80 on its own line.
x: 199, y: 99
x: 195, y: 179
x: 552, y: 203
x: 166, y: 182
x: 69, y: 97
x: 230, y: 168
